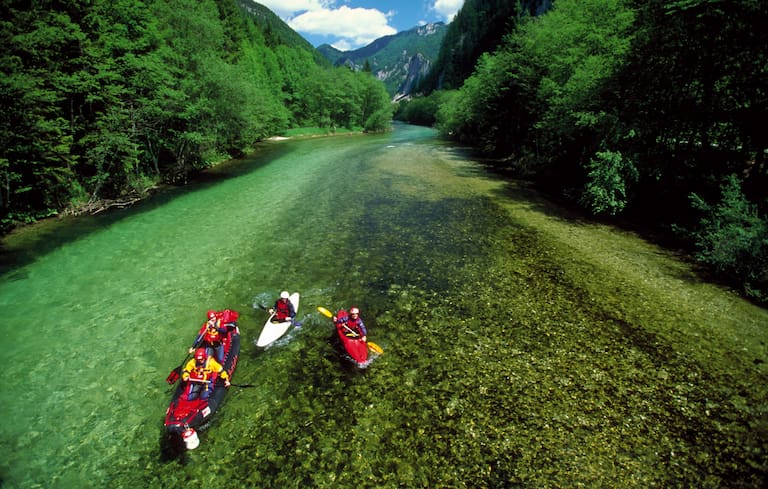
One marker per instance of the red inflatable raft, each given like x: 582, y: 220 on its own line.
x: 184, y: 416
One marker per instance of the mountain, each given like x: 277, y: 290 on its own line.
x: 400, y: 60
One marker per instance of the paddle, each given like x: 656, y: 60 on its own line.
x: 371, y: 345
x: 200, y: 381
x: 176, y: 373
x: 328, y: 313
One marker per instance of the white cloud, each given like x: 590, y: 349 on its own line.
x: 351, y: 27
x: 359, y: 26
x: 348, y: 27
x: 447, y: 9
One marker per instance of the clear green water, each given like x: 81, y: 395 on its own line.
x: 522, y: 348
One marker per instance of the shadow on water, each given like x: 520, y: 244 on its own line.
x: 533, y: 197
x: 172, y: 448
x: 346, y: 364
x: 27, y: 244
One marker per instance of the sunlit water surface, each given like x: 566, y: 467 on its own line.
x: 95, y: 321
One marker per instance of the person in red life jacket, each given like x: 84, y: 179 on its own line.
x: 200, y: 373
x: 283, y: 309
x: 353, y: 324
x: 211, y: 336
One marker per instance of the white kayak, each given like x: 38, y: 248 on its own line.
x: 273, y: 330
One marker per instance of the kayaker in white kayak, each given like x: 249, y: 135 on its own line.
x: 283, y: 309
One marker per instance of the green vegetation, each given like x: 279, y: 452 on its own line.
x: 307, y: 131
x: 103, y: 100
x: 421, y: 110
x: 733, y: 239
x: 630, y: 108
x: 477, y: 29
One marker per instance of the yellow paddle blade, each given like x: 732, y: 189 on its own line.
x: 375, y: 348
x: 324, y: 311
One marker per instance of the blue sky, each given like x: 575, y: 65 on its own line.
x: 352, y: 24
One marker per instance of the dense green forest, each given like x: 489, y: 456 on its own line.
x: 103, y: 100
x: 646, y: 111
x: 477, y: 29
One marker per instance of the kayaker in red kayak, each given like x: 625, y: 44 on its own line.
x: 283, y: 309
x: 200, y: 373
x: 353, y: 324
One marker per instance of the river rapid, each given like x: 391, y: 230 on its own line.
x: 522, y: 345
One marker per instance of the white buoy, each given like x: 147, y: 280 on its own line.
x: 190, y: 439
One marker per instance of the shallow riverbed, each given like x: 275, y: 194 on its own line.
x: 523, y: 345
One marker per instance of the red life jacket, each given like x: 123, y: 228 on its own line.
x: 282, y: 309
x: 212, y: 337
x: 354, y: 325
x: 199, y: 373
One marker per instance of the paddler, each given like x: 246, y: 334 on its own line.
x: 211, y: 335
x: 200, y: 373
x: 283, y: 309
x: 353, y: 324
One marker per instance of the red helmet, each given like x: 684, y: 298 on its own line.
x: 201, y: 354
x: 211, y: 314
x: 354, y: 310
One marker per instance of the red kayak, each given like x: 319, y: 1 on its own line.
x: 184, y: 416
x: 356, y: 348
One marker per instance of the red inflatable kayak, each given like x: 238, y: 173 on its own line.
x: 354, y: 345
x: 184, y: 416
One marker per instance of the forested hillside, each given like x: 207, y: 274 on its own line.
x: 478, y: 28
x: 276, y: 32
x: 650, y: 110
x: 103, y: 100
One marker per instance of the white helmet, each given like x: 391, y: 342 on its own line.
x: 284, y: 294
x: 354, y: 310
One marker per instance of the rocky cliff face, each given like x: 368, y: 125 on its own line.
x: 400, y: 61
x: 415, y: 69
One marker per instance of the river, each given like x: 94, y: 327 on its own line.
x: 510, y: 356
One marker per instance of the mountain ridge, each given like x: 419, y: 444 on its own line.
x: 399, y: 60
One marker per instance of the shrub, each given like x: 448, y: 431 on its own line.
x: 733, y: 239
x: 606, y: 189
